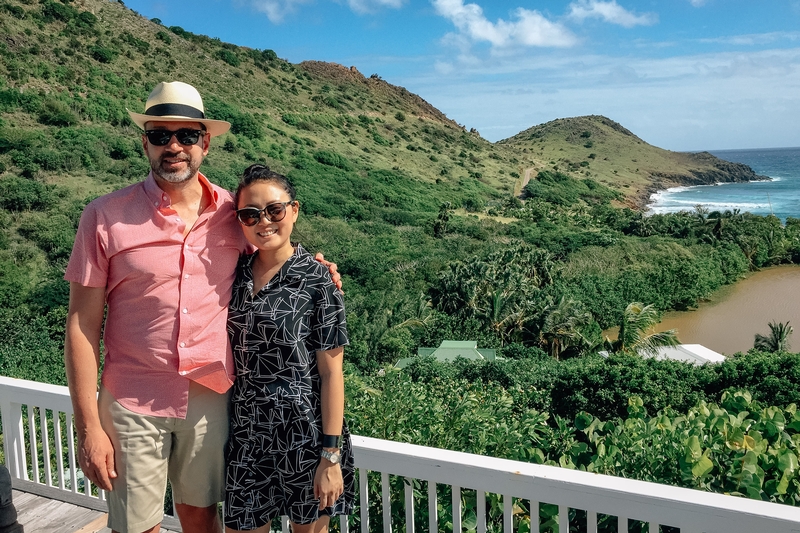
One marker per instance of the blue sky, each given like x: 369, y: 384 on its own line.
x: 681, y: 74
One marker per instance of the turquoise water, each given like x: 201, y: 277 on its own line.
x: 781, y: 196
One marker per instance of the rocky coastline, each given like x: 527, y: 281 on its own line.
x: 714, y: 170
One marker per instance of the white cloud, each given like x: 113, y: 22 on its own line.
x: 697, y: 3
x: 530, y: 28
x: 610, y: 12
x: 276, y: 10
x: 755, y: 38
x: 369, y: 6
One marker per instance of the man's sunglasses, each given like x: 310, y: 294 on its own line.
x: 185, y: 136
x: 250, y: 216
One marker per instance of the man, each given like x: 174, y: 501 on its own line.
x: 161, y: 256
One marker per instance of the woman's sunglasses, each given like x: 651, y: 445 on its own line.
x: 185, y: 136
x: 250, y: 216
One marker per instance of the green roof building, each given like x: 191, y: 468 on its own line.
x: 451, y: 350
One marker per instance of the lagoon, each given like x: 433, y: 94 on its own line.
x: 728, y: 322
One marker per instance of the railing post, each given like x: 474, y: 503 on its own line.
x: 14, y: 438
x: 563, y: 519
x: 508, y: 514
x: 387, y: 502
x: 433, y: 508
x: 456, y: 509
x: 363, y: 489
x: 409, y: 497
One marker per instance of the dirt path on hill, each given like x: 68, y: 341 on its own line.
x: 523, y: 181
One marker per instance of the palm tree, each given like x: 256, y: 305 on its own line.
x: 636, y: 333
x: 565, y: 325
x: 502, y: 313
x: 777, y: 340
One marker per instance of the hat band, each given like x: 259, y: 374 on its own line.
x: 174, y: 110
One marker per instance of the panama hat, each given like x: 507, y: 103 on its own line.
x: 177, y: 102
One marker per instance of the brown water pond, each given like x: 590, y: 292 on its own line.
x: 729, y: 321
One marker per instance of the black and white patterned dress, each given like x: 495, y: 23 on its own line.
x: 276, y: 418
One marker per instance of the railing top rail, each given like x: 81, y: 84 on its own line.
x: 23, y: 391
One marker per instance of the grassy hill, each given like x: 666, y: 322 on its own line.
x: 602, y: 149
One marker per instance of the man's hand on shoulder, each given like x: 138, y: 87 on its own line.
x: 337, y: 279
x: 96, y: 457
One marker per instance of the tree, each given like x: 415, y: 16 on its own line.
x: 777, y: 340
x: 634, y: 331
x: 440, y: 224
x: 500, y: 291
x: 567, y: 324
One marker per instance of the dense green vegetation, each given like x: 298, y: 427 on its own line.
x: 433, y: 244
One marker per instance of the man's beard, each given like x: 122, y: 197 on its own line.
x: 178, y: 176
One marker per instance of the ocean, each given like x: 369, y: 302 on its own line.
x: 780, y: 197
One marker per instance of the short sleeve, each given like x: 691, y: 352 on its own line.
x: 329, y: 327
x: 88, y: 263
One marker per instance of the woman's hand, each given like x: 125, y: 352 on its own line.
x: 328, y: 484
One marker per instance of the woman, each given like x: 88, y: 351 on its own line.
x: 289, y: 450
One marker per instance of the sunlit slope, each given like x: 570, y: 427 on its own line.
x: 597, y: 147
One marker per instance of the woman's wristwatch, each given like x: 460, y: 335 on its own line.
x: 333, y: 457
x: 331, y: 441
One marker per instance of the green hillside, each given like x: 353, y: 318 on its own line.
x: 602, y: 149
x: 423, y: 218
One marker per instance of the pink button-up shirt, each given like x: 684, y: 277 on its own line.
x: 167, y: 295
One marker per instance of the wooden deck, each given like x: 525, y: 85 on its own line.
x: 38, y: 514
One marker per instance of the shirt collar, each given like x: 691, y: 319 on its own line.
x: 288, y: 272
x: 161, y: 201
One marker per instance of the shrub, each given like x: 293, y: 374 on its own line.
x: 332, y: 159
x: 603, y: 386
x: 86, y: 19
x: 15, y: 11
x: 49, y: 159
x: 177, y: 30
x: 20, y: 194
x: 770, y: 378
x: 102, y: 53
x: 141, y: 46
x: 52, y: 11
x: 12, y: 99
x: 241, y: 122
x: 31, y: 348
x: 228, y: 57
x: 52, y: 232
x: 161, y: 35
x: 57, y: 113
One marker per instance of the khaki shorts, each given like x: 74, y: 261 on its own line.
x: 147, y: 449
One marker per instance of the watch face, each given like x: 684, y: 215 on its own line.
x: 330, y: 456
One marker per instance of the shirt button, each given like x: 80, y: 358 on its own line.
x: 186, y: 276
x: 185, y: 311
x: 183, y: 372
x: 183, y: 345
x: 155, y: 204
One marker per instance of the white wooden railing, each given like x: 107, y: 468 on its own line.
x: 39, y: 449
